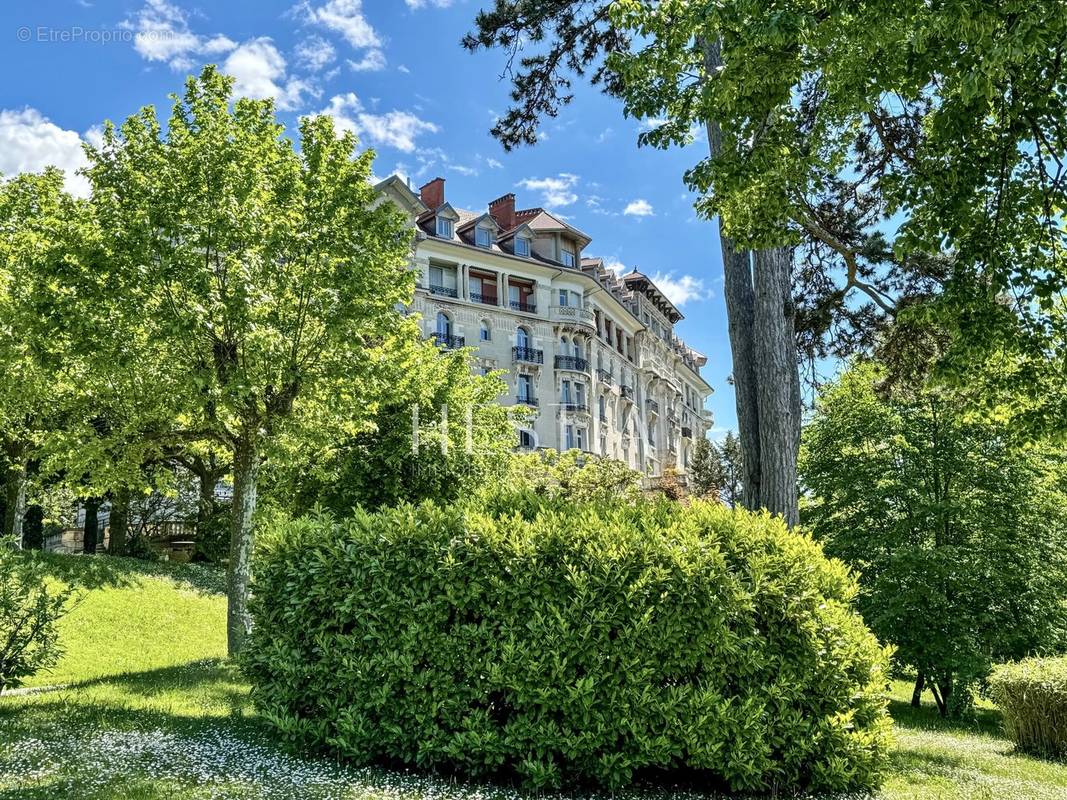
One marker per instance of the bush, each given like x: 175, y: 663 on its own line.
x: 588, y: 643
x: 1032, y: 696
x: 28, y: 615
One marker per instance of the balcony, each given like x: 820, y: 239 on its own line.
x: 687, y: 433
x: 573, y: 315
x: 528, y: 354
x: 447, y: 341
x: 526, y: 308
x: 626, y: 391
x: 484, y: 299
x: 605, y: 377
x: 444, y: 291
x: 572, y: 362
x: 652, y: 405
x: 568, y: 405
x: 526, y: 400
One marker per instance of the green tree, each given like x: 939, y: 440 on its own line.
x: 717, y: 469
x: 959, y: 535
x: 439, y: 435
x: 703, y: 469
x: 263, y: 275
x: 644, y: 52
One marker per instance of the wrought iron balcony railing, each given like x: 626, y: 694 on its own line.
x: 486, y: 299
x: 570, y: 405
x: 445, y: 291
x: 528, y: 354
x: 572, y: 362
x: 526, y: 400
x: 605, y: 377
x: 528, y: 308
x: 448, y: 341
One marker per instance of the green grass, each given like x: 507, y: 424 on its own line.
x: 151, y: 710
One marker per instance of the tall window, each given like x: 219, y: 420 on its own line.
x: 580, y: 438
x: 603, y: 403
x: 444, y: 324
x: 444, y: 228
x: 525, y: 387
x: 526, y: 440
x: 579, y: 393
x: 576, y: 349
x: 522, y: 246
x: 522, y: 337
x: 563, y: 297
x: 568, y: 437
x: 568, y: 258
x: 565, y: 392
x: 486, y: 334
x: 483, y: 237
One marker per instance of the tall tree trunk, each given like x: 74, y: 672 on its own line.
x: 120, y: 522
x: 15, y: 502
x: 917, y: 692
x: 92, y: 524
x: 206, y: 505
x: 245, y: 477
x: 759, y: 307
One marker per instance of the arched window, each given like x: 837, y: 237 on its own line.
x: 522, y: 337
x: 526, y: 440
x: 444, y: 324
x: 577, y: 348
x: 486, y: 333
x: 603, y: 408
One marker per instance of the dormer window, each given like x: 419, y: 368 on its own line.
x: 483, y: 237
x: 444, y: 228
x: 522, y: 246
x: 568, y: 258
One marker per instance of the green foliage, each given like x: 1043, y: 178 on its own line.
x: 572, y: 475
x: 716, y: 469
x: 1032, y: 696
x: 583, y: 644
x: 464, y: 440
x: 29, y: 611
x: 959, y: 536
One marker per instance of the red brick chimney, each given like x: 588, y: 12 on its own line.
x: 433, y: 193
x: 503, y: 211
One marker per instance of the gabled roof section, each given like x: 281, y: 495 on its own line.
x: 640, y: 282
x: 402, y: 193
x: 473, y: 221
x: 522, y: 227
x: 545, y: 221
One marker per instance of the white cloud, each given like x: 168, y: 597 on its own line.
x: 615, y: 265
x: 397, y: 129
x: 29, y: 142
x: 555, y: 192
x: 604, y: 135
x: 492, y: 162
x: 344, y: 17
x: 372, y: 61
x: 638, y: 208
x: 314, y: 53
x: 259, y: 72
x: 162, y: 33
x: 682, y: 289
x: 403, y: 69
x: 417, y: 4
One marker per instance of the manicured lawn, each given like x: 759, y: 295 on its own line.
x: 153, y: 711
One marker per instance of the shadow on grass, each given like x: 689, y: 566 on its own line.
x: 926, y: 718
x: 103, y: 571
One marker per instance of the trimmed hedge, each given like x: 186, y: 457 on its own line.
x: 571, y: 644
x: 1032, y: 696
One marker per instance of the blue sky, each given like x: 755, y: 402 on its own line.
x: 394, y: 71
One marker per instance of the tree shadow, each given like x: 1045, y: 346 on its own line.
x: 927, y: 718
x: 103, y: 571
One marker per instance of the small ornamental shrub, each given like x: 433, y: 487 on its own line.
x: 582, y: 644
x: 29, y: 610
x: 1032, y: 696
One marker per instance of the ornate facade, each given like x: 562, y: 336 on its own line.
x: 592, y: 353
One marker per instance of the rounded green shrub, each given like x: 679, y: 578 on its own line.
x: 1032, y: 696
x: 581, y: 644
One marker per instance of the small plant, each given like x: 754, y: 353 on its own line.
x: 28, y: 614
x: 1032, y: 696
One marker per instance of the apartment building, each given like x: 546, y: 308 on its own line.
x: 592, y: 353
